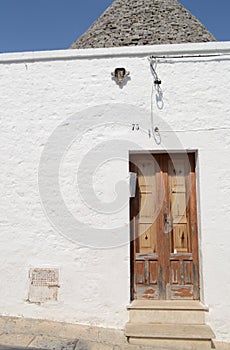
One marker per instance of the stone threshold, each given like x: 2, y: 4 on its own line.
x: 167, y: 305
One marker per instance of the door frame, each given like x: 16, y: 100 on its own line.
x: 197, y: 219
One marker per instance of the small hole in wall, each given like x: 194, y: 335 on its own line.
x: 43, y: 285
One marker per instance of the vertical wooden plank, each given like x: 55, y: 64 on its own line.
x: 159, y: 228
x: 193, y: 228
x: 167, y: 236
x: 188, y: 198
x: 133, y: 237
x: 163, y: 239
x: 147, y: 204
x: 180, y: 238
x: 140, y: 272
x: 175, y: 272
x: 188, y: 272
x: 178, y: 200
x: 153, y: 269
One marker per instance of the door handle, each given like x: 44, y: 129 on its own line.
x: 168, y: 221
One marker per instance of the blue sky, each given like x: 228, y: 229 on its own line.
x: 31, y: 25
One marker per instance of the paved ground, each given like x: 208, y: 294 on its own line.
x: 21, y: 333
x: 44, y: 342
x: 27, y: 342
x: 28, y: 334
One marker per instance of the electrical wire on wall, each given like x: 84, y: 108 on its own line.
x: 156, y: 88
x: 157, y: 96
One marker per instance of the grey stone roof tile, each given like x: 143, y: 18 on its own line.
x: 143, y: 22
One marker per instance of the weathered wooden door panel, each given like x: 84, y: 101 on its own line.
x: 146, y: 275
x: 181, y: 277
x: 164, y: 228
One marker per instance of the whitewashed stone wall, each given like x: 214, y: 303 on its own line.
x: 48, y: 97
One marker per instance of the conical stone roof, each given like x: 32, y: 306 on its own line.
x: 143, y: 22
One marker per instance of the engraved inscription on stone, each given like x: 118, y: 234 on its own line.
x: 43, y: 285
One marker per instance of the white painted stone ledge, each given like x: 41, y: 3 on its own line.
x: 210, y: 48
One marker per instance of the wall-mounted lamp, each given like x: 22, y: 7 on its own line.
x: 120, y: 74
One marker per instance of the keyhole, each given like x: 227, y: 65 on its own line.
x: 182, y: 240
x: 146, y: 237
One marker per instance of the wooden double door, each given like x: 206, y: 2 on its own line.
x: 164, y: 256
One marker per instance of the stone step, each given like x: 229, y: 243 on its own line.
x: 170, y: 336
x: 169, y: 331
x: 154, y: 311
x: 167, y: 316
x: 190, y: 305
x: 168, y: 344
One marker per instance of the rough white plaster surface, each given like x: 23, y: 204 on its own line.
x: 47, y: 92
